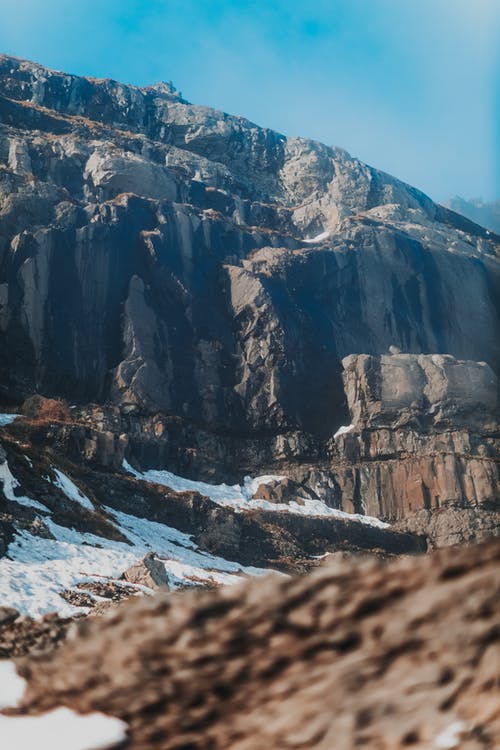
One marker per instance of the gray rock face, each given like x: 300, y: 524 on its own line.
x: 437, y: 389
x: 169, y: 257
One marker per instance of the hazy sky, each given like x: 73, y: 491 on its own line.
x: 410, y: 86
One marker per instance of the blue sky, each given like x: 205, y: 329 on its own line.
x: 410, y: 86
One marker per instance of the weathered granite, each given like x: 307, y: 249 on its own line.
x: 436, y: 390
x: 161, y: 255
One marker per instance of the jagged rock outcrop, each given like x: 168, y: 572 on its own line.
x: 386, y: 656
x: 425, y: 438
x: 148, y: 571
x: 437, y: 390
x: 172, y: 258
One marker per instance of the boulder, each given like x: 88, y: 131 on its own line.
x: 425, y: 438
x: 148, y: 571
x: 433, y: 389
x: 283, y: 491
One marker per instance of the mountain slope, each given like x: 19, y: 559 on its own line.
x: 482, y: 212
x: 216, y: 302
x: 162, y: 255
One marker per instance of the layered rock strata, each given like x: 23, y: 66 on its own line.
x: 425, y: 439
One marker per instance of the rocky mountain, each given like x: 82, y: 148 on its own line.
x: 228, y: 348
x: 165, y: 256
x: 482, y: 212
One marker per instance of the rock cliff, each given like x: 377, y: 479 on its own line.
x: 217, y: 299
x: 165, y: 256
x: 424, y: 444
x: 231, y: 351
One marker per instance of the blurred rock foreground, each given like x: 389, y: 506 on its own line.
x: 374, y: 655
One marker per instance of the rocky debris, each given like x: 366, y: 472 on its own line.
x: 378, y: 655
x: 148, y: 571
x: 35, y: 637
x: 111, y: 590
x: 283, y: 491
x: 97, y: 597
x: 78, y: 598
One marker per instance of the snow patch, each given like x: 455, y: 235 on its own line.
x: 10, y: 483
x: 40, y: 569
x: 6, y: 419
x: 343, y: 430
x: 239, y: 496
x: 71, y: 490
x: 12, y: 686
x: 319, y: 237
x: 61, y: 729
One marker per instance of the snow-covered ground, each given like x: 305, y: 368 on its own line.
x: 12, y: 686
x: 61, y: 729
x: 37, y: 570
x: 6, y: 419
x: 239, y: 496
x: 319, y: 237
